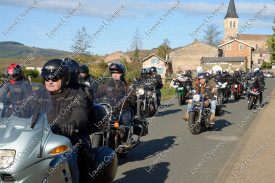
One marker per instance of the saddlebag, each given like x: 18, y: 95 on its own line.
x: 137, y: 129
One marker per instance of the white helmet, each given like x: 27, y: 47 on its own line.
x: 256, y: 69
x: 216, y: 68
x: 199, y: 69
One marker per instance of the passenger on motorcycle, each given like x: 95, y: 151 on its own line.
x: 85, y: 77
x: 205, y: 87
x: 155, y: 76
x: 14, y: 85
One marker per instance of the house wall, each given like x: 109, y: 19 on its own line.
x: 160, y: 65
x: 188, y: 58
x: 236, y: 52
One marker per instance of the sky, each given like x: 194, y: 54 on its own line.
x: 112, y: 24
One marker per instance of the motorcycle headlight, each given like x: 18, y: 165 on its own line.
x: 180, y: 88
x: 196, y: 98
x: 6, y: 158
x: 141, y: 91
x: 236, y: 86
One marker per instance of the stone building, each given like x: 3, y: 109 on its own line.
x: 230, y: 63
x: 188, y: 57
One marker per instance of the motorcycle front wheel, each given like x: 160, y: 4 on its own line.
x: 140, y: 111
x: 250, y: 102
x: 194, y: 125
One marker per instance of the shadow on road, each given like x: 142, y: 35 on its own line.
x: 159, y: 174
x: 148, y: 149
x: 167, y: 112
x: 220, y: 124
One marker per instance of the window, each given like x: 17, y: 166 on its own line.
x: 160, y: 70
x: 229, y: 47
x: 230, y: 24
x: 240, y: 47
x: 157, y: 61
x: 261, y: 55
x: 154, y: 61
x: 234, y: 24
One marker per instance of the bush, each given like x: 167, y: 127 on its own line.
x: 30, y: 72
x: 37, y: 80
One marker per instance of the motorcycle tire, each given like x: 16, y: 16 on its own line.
x: 180, y: 100
x: 140, y: 112
x: 194, y: 127
x: 250, y: 103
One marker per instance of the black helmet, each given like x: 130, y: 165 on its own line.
x: 236, y: 73
x: 143, y: 72
x: 218, y: 72
x: 189, y: 72
x: 224, y: 71
x: 202, y: 75
x: 14, y: 72
x: 54, y: 68
x: 117, y: 67
x: 153, y: 69
x: 149, y: 71
x: 73, y: 67
x: 84, y: 69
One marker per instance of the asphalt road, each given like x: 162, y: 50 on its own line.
x: 170, y: 153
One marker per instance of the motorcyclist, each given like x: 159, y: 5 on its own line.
x: 17, y: 85
x: 155, y: 76
x: 68, y: 116
x: 218, y: 76
x: 199, y: 70
x: 259, y: 77
x: 142, y: 76
x: 85, y: 77
x: 205, y: 87
x: 117, y: 71
x: 189, y: 81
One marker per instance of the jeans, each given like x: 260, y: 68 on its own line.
x: 212, y: 102
x: 72, y: 161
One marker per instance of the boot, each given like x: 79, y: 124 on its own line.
x: 186, y: 117
x: 212, y: 118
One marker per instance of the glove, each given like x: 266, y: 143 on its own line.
x: 68, y: 128
x: 55, y: 128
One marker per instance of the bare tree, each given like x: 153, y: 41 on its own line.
x: 137, y: 41
x: 212, y: 35
x: 81, y: 42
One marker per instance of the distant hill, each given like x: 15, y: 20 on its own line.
x: 10, y: 49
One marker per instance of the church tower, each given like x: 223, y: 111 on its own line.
x: 231, y: 22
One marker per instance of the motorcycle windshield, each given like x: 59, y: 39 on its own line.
x: 110, y: 91
x: 20, y: 104
x: 150, y: 84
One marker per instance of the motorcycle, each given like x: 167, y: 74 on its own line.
x: 223, y: 92
x: 118, y: 135
x: 253, y: 95
x: 146, y: 99
x: 30, y: 151
x: 237, y: 90
x: 182, y: 89
x: 200, y: 112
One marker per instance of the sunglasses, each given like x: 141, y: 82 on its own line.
x: 54, y: 79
